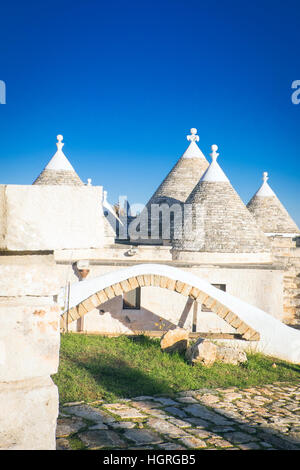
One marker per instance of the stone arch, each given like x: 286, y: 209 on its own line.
x: 149, y: 276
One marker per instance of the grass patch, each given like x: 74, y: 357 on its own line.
x: 94, y: 367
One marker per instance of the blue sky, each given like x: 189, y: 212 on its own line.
x: 124, y: 81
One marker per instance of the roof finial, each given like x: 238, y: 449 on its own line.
x: 214, y: 155
x: 89, y: 181
x: 193, y: 137
x: 265, y: 176
x: 59, y: 144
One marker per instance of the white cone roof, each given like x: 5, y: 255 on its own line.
x: 269, y: 212
x: 59, y: 170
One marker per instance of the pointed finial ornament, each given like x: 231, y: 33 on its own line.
x: 193, y: 137
x: 214, y: 155
x: 59, y: 143
x: 265, y: 176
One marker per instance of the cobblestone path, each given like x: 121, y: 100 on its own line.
x: 265, y: 417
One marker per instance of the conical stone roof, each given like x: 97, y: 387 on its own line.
x: 217, y: 221
x: 183, y: 177
x: 269, y: 213
x: 176, y: 187
x: 59, y: 170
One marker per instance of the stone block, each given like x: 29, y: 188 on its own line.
x: 175, y: 340
x: 30, y: 275
x: 43, y: 217
x: 28, y: 413
x: 229, y: 355
x: 29, y: 341
x: 203, y: 351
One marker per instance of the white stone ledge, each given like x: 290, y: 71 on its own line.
x: 222, y: 258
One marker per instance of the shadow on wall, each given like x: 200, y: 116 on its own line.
x: 144, y: 319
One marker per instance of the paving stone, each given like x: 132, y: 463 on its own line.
x: 73, y: 403
x: 175, y: 411
x: 90, y: 413
x: 101, y: 438
x: 199, y: 423
x: 192, y: 442
x: 146, y: 405
x: 142, y: 448
x: 67, y: 426
x: 208, y: 399
x: 250, y: 446
x: 187, y: 400
x: 278, y: 442
x: 166, y: 428
x: 98, y: 426
x: 142, y: 436
x: 63, y: 444
x: 201, y: 434
x: 170, y: 446
x: 124, y: 411
x: 187, y: 393
x: 143, y: 398
x: 239, y: 437
x: 257, y: 417
x: 232, y: 396
x: 158, y: 413
x: 202, y: 412
x: 165, y: 401
x: 123, y: 425
x: 222, y: 429
x: 248, y: 429
x: 180, y: 423
x: 222, y: 443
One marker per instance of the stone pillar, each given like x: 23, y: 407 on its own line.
x: 29, y: 352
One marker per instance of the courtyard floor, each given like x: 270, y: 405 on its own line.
x: 265, y: 417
